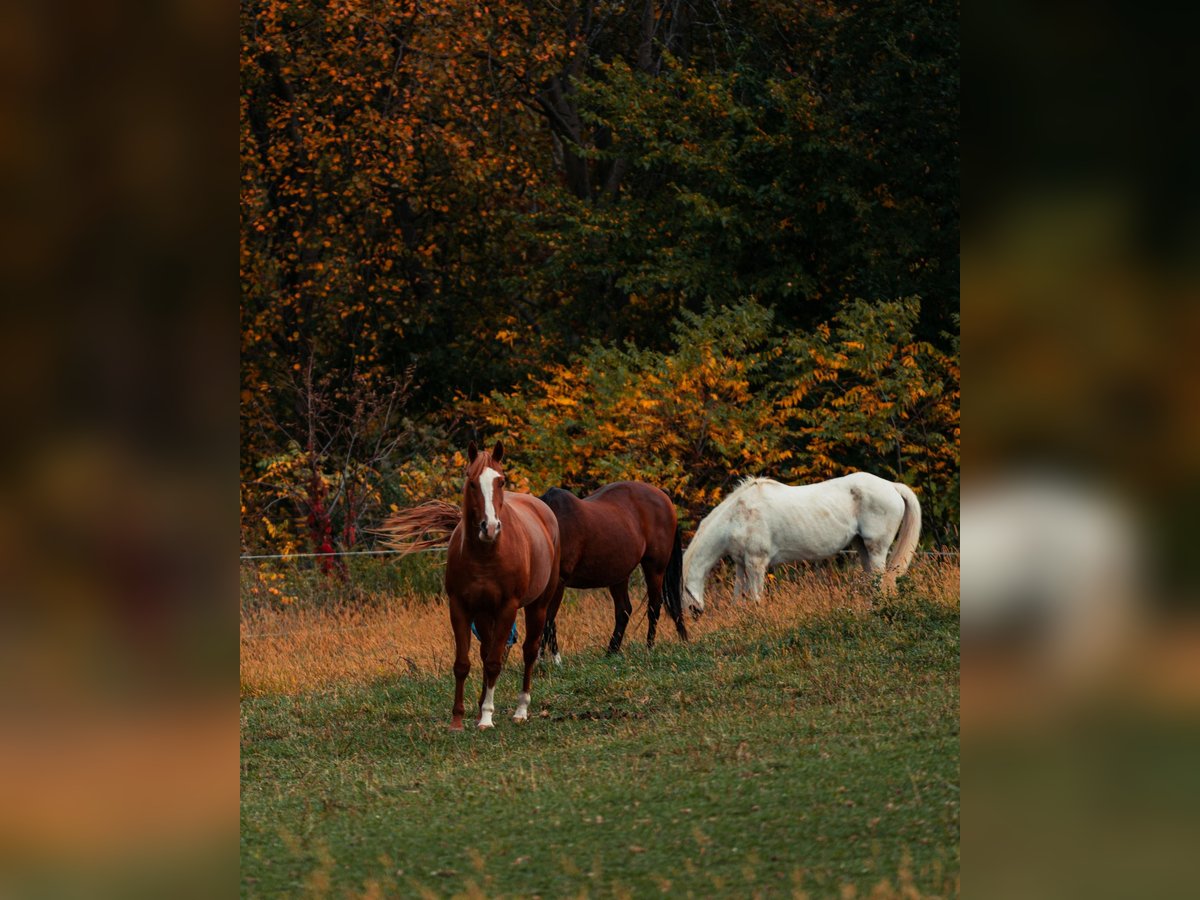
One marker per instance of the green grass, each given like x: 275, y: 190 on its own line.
x: 748, y: 763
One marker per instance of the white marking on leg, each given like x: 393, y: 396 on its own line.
x: 557, y: 658
x: 485, y: 712
x: 522, y: 712
x: 490, y: 523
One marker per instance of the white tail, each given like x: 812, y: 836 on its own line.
x: 910, y: 532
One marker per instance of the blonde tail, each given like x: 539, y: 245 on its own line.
x: 420, y: 527
x: 910, y: 532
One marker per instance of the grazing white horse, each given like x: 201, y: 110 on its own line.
x: 764, y: 523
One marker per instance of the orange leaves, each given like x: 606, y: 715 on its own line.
x: 866, y: 396
x: 397, y: 174
x: 681, y: 420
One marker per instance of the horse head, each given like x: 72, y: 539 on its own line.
x: 483, y: 492
x: 693, y: 590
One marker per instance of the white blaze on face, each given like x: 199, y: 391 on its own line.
x: 489, y: 706
x: 491, y: 522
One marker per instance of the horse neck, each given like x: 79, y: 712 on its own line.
x: 465, y: 509
x: 703, y: 552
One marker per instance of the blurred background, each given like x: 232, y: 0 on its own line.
x: 120, y: 341
x: 118, y: 372
x: 1080, y: 638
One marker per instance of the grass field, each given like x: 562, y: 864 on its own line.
x: 804, y: 746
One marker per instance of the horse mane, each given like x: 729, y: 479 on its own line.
x: 420, y: 527
x: 744, y: 485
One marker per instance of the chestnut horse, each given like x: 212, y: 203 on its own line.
x: 604, y: 537
x: 503, y: 556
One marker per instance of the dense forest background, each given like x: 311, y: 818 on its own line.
x: 682, y: 242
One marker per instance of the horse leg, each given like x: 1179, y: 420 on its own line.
x: 874, y: 560
x: 550, y: 634
x: 653, y: 607
x: 654, y: 603
x: 756, y: 575
x: 461, y: 623
x: 621, y: 612
x: 739, y: 580
x: 535, y: 622
x: 483, y: 624
x: 501, y: 626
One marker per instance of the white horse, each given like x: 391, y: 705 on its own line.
x: 764, y: 523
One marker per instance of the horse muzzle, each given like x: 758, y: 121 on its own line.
x: 489, y: 535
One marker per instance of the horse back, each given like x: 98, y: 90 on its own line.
x: 648, y: 505
x: 609, y: 532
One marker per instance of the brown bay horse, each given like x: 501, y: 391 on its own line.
x: 604, y: 537
x: 503, y: 556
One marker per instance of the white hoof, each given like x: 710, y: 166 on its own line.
x: 558, y: 659
x: 483, y: 726
x: 522, y: 712
x: 486, y: 708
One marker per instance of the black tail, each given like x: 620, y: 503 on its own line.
x: 673, y: 580
x: 549, y: 645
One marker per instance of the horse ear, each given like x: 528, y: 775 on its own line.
x: 472, y: 452
x: 498, y: 452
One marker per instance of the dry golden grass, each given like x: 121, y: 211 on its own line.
x: 293, y: 649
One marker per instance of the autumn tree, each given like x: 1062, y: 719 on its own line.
x: 379, y: 145
x: 481, y: 193
x: 737, y: 396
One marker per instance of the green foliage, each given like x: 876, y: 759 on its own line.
x: 691, y: 421
x: 738, y: 396
x: 864, y: 395
x: 368, y: 581
x: 473, y: 195
x: 811, y: 160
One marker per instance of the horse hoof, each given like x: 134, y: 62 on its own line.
x: 519, y: 717
x: 483, y: 726
x: 456, y: 725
